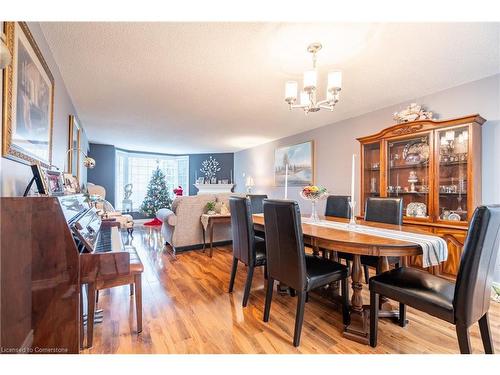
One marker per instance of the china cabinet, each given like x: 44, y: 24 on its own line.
x: 435, y: 167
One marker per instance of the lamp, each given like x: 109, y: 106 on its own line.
x: 308, y: 95
x: 249, y: 184
x: 88, y: 162
x: 5, y: 55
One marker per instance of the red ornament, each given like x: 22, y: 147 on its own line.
x: 178, y: 191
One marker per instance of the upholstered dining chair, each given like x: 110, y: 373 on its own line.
x: 257, y: 202
x: 288, y: 263
x: 247, y: 247
x: 382, y: 210
x: 462, y: 303
x: 338, y: 206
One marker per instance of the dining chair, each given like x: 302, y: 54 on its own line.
x: 247, y: 247
x: 257, y: 202
x: 288, y: 263
x: 382, y: 210
x: 257, y: 207
x: 462, y: 303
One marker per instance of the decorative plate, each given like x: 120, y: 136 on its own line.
x: 454, y: 217
x: 416, y: 209
x: 416, y: 152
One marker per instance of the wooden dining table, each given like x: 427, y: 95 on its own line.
x: 358, y: 244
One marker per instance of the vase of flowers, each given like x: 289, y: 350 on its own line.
x: 314, y: 194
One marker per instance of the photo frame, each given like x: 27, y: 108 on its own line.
x: 200, y: 180
x: 40, y: 180
x: 28, y: 100
x: 71, y: 185
x: 55, y: 182
x: 300, y: 160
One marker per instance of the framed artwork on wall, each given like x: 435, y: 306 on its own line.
x: 73, y: 146
x: 300, y: 161
x: 28, y: 100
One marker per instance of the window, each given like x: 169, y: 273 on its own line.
x: 137, y: 168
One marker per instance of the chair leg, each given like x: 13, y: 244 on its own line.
x: 484, y: 327
x: 248, y: 285
x: 293, y: 292
x: 233, y: 274
x: 374, y: 298
x: 307, y: 297
x: 463, y: 339
x: 299, y: 318
x: 131, y: 289
x: 91, y: 297
x: 346, y: 317
x: 402, y: 315
x: 138, y: 301
x: 82, y: 333
x: 269, y: 297
x: 367, y: 274
x: 265, y: 271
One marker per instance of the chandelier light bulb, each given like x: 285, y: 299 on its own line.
x: 304, y: 99
x: 291, y: 91
x: 335, y: 80
x: 310, y: 79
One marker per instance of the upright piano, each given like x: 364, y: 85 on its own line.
x: 49, y: 247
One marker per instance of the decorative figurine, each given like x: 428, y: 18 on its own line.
x: 413, y: 112
x: 412, y: 179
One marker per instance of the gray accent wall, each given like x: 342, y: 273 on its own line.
x: 104, y: 171
x: 15, y: 176
x: 335, y: 143
x: 226, y: 164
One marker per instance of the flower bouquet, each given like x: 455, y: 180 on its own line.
x: 314, y: 193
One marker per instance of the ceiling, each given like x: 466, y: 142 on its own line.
x: 217, y: 87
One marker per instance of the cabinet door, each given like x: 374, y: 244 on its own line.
x: 455, y: 240
x: 408, y: 174
x: 453, y: 167
x: 371, y: 173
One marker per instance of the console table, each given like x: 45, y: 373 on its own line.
x: 208, y: 222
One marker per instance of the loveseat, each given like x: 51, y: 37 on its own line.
x: 182, y: 227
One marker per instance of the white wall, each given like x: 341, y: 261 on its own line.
x: 335, y: 143
x: 15, y: 176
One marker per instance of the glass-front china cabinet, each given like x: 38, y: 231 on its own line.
x: 435, y: 167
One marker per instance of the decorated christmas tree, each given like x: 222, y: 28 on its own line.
x: 157, y: 196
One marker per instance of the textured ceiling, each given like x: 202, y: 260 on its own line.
x: 205, y: 87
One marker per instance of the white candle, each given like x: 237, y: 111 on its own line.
x: 231, y: 176
x: 353, y: 176
x: 286, y: 181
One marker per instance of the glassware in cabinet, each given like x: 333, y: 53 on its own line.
x: 452, y: 181
x: 408, y: 164
x: 371, y: 171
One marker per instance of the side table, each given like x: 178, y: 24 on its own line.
x: 208, y: 222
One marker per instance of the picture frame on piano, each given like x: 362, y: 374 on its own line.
x: 71, y: 185
x: 55, y: 182
x: 40, y: 179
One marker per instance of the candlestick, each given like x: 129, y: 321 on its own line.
x: 286, y: 181
x: 231, y: 176
x: 353, y: 173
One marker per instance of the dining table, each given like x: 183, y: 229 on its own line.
x: 358, y: 244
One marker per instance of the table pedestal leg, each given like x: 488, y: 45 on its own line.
x: 211, y: 225
x: 359, y: 328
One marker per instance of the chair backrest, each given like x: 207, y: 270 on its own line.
x: 284, y: 243
x: 257, y: 202
x: 384, y: 210
x: 338, y: 206
x: 242, y: 230
x: 96, y: 190
x: 477, y: 265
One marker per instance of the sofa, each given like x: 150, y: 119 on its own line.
x: 182, y: 227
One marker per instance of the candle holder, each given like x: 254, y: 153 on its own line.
x: 352, y: 222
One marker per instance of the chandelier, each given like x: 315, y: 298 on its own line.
x: 308, y: 97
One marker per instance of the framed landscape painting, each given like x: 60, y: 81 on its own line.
x: 300, y: 160
x: 28, y: 100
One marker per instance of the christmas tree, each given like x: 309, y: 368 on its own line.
x: 157, y: 196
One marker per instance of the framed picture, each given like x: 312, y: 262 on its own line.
x: 300, y: 161
x: 73, y: 145
x: 55, y: 182
x: 40, y: 180
x: 71, y: 185
x: 28, y: 100
x: 200, y: 180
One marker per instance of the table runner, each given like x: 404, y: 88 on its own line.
x: 205, y: 217
x: 434, y: 248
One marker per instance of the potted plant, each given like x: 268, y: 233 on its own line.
x: 210, y: 208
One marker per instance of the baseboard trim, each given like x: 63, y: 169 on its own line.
x: 198, y: 247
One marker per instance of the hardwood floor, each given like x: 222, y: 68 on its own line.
x: 186, y: 309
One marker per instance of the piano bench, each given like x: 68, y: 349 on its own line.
x: 133, y: 278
